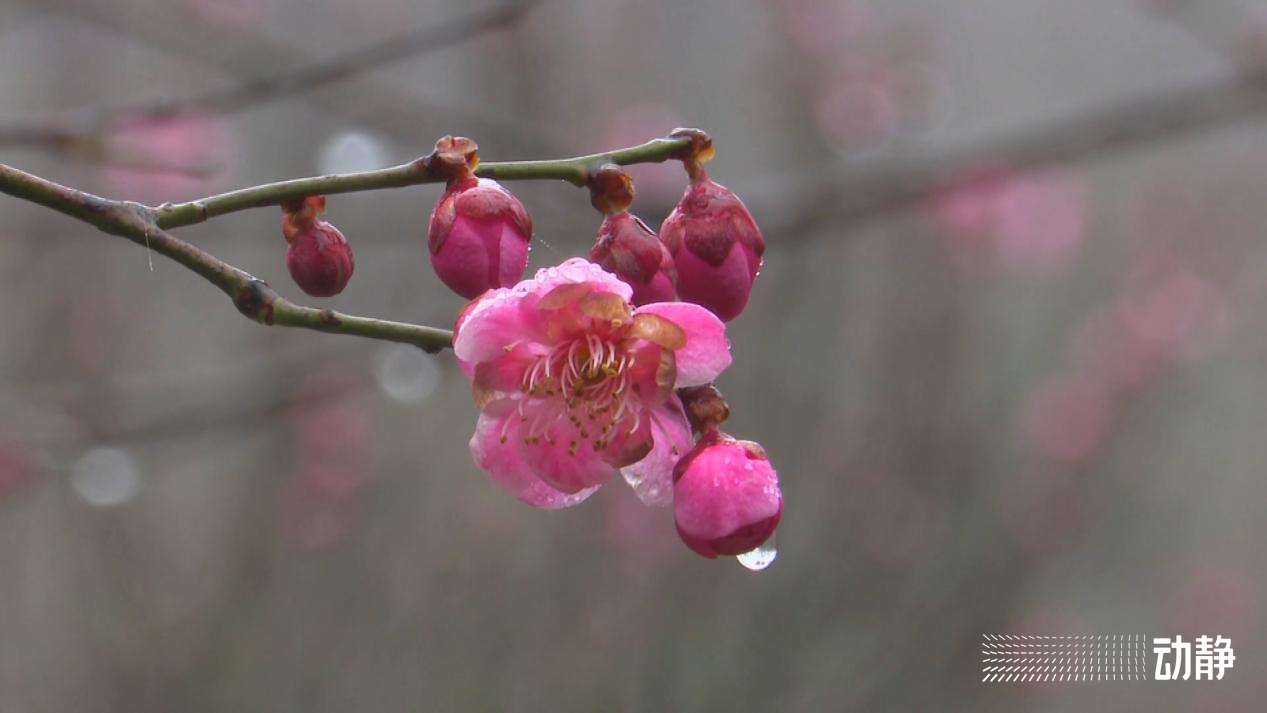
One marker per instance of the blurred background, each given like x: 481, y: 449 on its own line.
x: 1007, y: 352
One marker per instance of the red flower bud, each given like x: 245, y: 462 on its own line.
x: 628, y: 249
x: 716, y: 247
x: 319, y: 257
x: 478, y: 237
x: 726, y: 497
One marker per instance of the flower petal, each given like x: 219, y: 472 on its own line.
x: 654, y: 328
x: 706, y: 353
x: 577, y: 270
x: 652, y: 477
x: 503, y: 460
x: 502, y: 378
x: 495, y: 320
x: 652, y: 372
x: 558, y: 454
x: 631, y: 442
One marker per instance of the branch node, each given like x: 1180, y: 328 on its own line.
x: 327, y: 316
x: 255, y: 300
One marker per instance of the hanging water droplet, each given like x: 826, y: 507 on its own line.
x: 760, y: 558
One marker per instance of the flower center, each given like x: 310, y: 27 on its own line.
x: 590, y: 378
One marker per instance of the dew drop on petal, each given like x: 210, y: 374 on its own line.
x: 406, y: 374
x: 760, y: 558
x: 106, y: 477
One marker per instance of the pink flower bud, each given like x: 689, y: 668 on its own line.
x: 319, y: 259
x: 716, y: 247
x: 479, y: 237
x: 628, y: 249
x: 726, y: 498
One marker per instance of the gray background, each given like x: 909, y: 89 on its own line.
x: 217, y: 516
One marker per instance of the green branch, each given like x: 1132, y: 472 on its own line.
x: 573, y: 170
x: 147, y: 226
x: 252, y: 296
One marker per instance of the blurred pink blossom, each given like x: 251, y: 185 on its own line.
x: 1041, y: 221
x: 15, y: 468
x: 643, y: 535
x: 896, y: 522
x: 1105, y: 349
x: 1213, y: 599
x: 1036, y: 221
x: 821, y: 29
x: 155, y: 159
x: 859, y: 111
x: 334, y: 456
x: 1040, y: 508
x: 311, y: 519
x: 966, y: 205
x: 1067, y: 418
x: 1173, y: 312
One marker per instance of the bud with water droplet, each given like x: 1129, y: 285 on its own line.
x: 626, y: 246
x: 318, y: 257
x: 479, y: 232
x: 726, y: 497
x: 715, y: 243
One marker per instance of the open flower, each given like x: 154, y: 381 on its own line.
x: 573, y: 382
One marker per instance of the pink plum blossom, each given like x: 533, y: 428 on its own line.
x: 573, y: 382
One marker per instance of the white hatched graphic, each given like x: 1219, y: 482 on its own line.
x: 1108, y: 657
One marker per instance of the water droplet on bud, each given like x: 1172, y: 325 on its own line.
x: 760, y: 558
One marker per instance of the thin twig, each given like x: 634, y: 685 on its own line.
x: 573, y: 170
x: 147, y: 226
x: 302, y: 80
x: 865, y: 190
x: 252, y: 296
x: 81, y: 136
